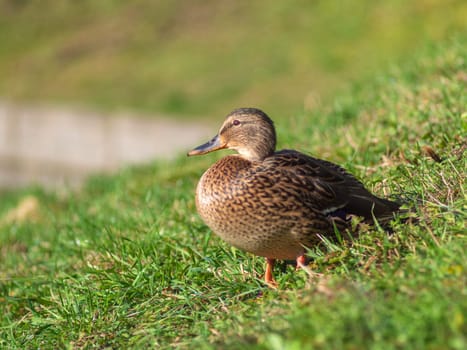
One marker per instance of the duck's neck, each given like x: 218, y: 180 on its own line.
x: 255, y: 154
x: 257, y: 147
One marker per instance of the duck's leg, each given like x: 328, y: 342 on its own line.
x: 301, y: 260
x: 268, y: 277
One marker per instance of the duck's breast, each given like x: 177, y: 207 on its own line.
x: 219, y: 188
x: 234, y: 200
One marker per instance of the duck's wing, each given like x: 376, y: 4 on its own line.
x: 327, y: 187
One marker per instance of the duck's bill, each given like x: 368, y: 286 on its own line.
x: 210, y: 146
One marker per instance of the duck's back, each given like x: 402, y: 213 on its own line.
x: 329, y: 187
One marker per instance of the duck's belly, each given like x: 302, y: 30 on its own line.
x: 258, y: 237
x: 247, y: 222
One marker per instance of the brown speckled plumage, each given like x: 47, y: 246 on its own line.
x: 273, y: 204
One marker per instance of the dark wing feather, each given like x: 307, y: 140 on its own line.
x: 328, y: 187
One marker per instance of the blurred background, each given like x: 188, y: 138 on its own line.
x: 89, y: 86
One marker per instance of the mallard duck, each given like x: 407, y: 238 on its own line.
x: 272, y: 203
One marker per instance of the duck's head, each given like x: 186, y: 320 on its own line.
x: 249, y: 131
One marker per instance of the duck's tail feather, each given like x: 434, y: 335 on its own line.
x: 372, y: 207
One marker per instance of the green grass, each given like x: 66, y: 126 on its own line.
x: 206, y: 58
x: 125, y: 262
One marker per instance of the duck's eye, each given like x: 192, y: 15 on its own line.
x: 236, y: 122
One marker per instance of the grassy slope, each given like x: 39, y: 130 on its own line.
x: 127, y: 262
x: 205, y: 58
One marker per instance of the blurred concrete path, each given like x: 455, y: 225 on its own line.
x: 56, y: 145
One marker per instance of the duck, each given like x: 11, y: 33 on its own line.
x: 277, y: 204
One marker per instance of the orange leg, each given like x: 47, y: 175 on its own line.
x: 301, y: 260
x: 268, y: 278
